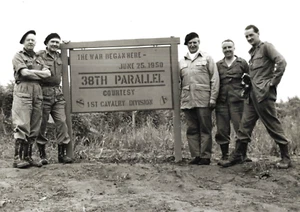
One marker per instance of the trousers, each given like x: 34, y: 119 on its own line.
x: 27, y: 110
x: 266, y: 112
x: 226, y: 112
x: 199, y: 131
x: 54, y: 105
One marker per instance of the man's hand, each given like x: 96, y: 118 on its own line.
x: 212, y: 103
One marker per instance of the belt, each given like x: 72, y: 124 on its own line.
x: 231, y: 80
x: 49, y: 85
x: 30, y: 81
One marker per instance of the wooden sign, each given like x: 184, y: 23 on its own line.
x: 121, y: 79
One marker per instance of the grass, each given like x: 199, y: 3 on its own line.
x: 150, y: 142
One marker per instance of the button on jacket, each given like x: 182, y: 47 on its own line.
x: 199, y: 81
x: 266, y: 66
x: 230, y: 79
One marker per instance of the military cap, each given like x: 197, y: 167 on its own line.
x: 25, y: 35
x: 190, y: 36
x: 50, y: 36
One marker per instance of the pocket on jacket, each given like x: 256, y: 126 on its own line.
x: 202, y: 93
x: 201, y: 63
x: 257, y: 62
x: 185, y: 93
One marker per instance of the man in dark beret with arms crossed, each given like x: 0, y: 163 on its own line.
x: 266, y: 68
x: 54, y: 102
x: 27, y: 100
x: 199, y: 91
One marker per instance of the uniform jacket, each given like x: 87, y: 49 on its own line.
x: 230, y: 79
x: 199, y: 81
x: 266, y: 66
x: 55, y: 66
x: 28, y: 60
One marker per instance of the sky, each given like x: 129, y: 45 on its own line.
x: 213, y: 20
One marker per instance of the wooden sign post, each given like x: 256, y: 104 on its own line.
x: 122, y: 75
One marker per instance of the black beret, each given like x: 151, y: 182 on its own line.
x: 50, y: 36
x: 25, y: 35
x: 190, y: 36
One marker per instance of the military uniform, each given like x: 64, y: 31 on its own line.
x: 230, y: 104
x: 27, y: 103
x: 53, y: 100
x: 266, y: 68
x: 199, y: 85
x: 265, y: 76
x: 54, y: 104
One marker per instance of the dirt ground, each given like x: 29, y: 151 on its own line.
x: 100, y: 186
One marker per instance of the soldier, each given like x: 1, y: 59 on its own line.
x: 199, y: 90
x: 230, y: 103
x: 53, y: 101
x: 27, y: 100
x: 266, y: 68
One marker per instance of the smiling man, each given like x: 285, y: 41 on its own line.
x: 199, y: 91
x: 266, y: 68
x: 27, y: 100
x: 230, y: 104
x: 53, y: 101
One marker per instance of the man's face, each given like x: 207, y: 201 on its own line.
x: 29, y: 42
x: 53, y: 44
x: 228, y: 49
x: 193, y: 45
x: 252, y: 37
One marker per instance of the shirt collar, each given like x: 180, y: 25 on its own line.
x: 237, y: 59
x: 255, y: 47
x: 51, y: 55
x: 187, y: 56
x: 29, y: 53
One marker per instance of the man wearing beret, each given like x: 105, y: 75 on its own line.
x: 230, y: 103
x: 27, y: 100
x: 53, y: 101
x: 199, y: 79
x: 266, y: 68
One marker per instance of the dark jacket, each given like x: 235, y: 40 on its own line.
x: 230, y: 79
x: 266, y: 66
x: 55, y: 66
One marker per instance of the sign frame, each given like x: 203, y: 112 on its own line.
x: 172, y: 42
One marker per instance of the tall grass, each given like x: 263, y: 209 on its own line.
x: 118, y: 137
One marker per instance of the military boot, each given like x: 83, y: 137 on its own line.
x: 62, y: 154
x: 42, y: 152
x: 224, y: 150
x: 238, y: 155
x: 21, y: 154
x: 246, y: 158
x: 19, y: 161
x: 30, y: 159
x: 285, y: 161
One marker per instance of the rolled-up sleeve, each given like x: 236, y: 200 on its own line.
x: 18, y: 63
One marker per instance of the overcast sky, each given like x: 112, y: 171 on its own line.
x: 213, y: 20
